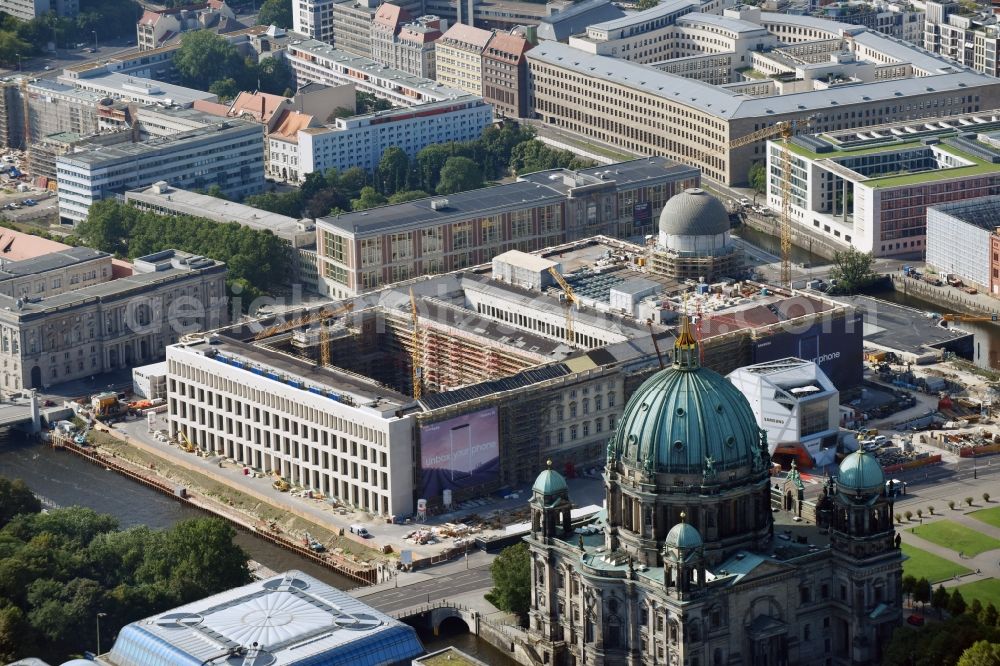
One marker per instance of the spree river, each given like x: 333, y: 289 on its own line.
x: 61, y: 479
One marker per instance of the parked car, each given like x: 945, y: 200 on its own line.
x: 29, y: 202
x: 361, y: 531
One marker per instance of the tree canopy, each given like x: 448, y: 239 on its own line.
x: 757, y: 176
x: 59, y: 569
x: 207, y: 61
x: 511, y: 572
x: 981, y: 653
x: 276, y: 12
x: 257, y: 259
x: 938, y: 643
x: 459, y: 174
x: 853, y: 270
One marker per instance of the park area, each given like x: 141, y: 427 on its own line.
x: 987, y: 591
x: 951, y: 535
x: 921, y: 564
x: 988, y: 516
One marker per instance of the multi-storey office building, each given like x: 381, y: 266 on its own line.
x: 646, y: 110
x: 871, y: 188
x: 505, y: 74
x: 99, y: 324
x: 896, y: 19
x: 361, y: 140
x: 406, y: 45
x: 359, y: 252
x: 459, y: 57
x: 225, y: 152
x: 314, y: 18
x: 647, y: 36
x: 314, y: 61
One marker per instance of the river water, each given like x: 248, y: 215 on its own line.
x: 61, y: 479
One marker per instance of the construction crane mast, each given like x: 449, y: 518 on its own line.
x: 568, y: 304
x: 785, y: 129
x: 415, y: 354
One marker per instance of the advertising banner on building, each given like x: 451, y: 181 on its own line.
x: 835, y: 344
x: 459, y: 453
x: 642, y: 212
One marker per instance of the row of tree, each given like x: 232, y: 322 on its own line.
x: 59, y: 569
x: 443, y: 168
x: 257, y: 259
x: 206, y: 61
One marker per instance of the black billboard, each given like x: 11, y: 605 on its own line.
x: 835, y: 343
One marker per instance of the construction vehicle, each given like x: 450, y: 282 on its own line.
x: 107, y: 405
x: 568, y: 303
x: 784, y: 129
x: 962, y: 317
x: 185, y: 443
x: 280, y: 484
x: 416, y: 362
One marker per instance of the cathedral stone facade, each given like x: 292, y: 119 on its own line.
x: 690, y: 566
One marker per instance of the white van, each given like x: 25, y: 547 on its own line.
x: 880, y: 439
x: 361, y: 531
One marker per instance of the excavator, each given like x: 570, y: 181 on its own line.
x: 280, y: 484
x: 185, y: 443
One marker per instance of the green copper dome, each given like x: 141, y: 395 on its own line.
x: 550, y: 482
x: 688, y: 420
x: 683, y: 535
x: 860, y: 471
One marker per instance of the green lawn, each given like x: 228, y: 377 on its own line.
x: 988, y: 516
x: 922, y: 564
x: 985, y: 590
x: 951, y: 535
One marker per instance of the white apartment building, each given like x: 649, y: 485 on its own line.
x: 313, y: 18
x: 316, y: 62
x: 321, y: 429
x: 458, y: 57
x: 795, y: 403
x: 359, y: 141
x: 227, y: 152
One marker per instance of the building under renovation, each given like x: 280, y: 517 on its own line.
x: 453, y: 386
x: 693, y: 241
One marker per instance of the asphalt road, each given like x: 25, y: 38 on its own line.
x: 439, y: 587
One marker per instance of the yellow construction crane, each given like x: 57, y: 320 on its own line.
x: 304, y: 320
x: 961, y: 317
x: 785, y: 129
x: 568, y: 304
x: 415, y: 359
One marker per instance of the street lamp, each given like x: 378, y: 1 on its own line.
x: 94, y: 33
x: 99, y: 616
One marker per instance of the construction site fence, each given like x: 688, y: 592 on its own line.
x: 977, y: 451
x: 913, y: 464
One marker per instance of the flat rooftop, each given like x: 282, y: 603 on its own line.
x: 372, y: 69
x: 202, y: 205
x: 418, y: 213
x: 289, y: 619
x: 983, y: 212
x: 723, y: 103
x: 49, y: 262
x: 150, y: 90
x: 900, y: 328
x: 100, y: 155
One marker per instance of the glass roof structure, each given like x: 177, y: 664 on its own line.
x: 290, y: 619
